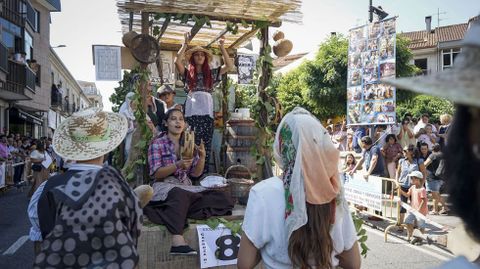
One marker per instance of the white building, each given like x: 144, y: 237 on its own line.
x: 436, y: 49
x: 91, y: 92
x: 67, y: 95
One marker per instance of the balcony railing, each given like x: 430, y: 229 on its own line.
x: 3, y: 57
x: 10, y: 12
x: 20, y: 74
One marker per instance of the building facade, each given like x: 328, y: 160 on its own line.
x: 66, y: 94
x: 93, y: 94
x: 24, y: 65
x: 436, y: 49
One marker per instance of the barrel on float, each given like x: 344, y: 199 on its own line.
x: 241, y: 137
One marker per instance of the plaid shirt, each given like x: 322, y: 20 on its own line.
x: 161, y: 153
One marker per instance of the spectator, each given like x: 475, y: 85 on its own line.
x: 421, y: 124
x: 4, y: 153
x: 392, y: 152
x: 340, y: 136
x: 301, y: 220
x: 406, y: 166
x: 423, y: 152
x: 349, y: 163
x: 380, y: 133
x: 39, y: 159
x: 359, y: 132
x: 418, y: 202
x: 373, y: 159
x: 88, y: 216
x: 405, y: 135
x: 445, y: 121
x: 434, y: 165
x: 427, y: 137
x: 126, y: 109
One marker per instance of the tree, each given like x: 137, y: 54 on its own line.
x: 420, y: 104
x: 126, y: 86
x: 320, y: 85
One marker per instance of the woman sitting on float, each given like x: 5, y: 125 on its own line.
x: 175, y: 198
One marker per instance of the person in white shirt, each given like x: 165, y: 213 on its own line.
x: 421, y: 124
x: 300, y: 219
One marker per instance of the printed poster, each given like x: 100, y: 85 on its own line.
x: 246, y: 68
x: 108, y: 62
x: 362, y: 192
x: 371, y: 57
x: 217, y: 247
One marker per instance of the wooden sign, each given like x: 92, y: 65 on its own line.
x: 217, y: 247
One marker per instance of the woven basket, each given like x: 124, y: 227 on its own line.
x: 240, y: 187
x: 282, y: 47
x: 225, y: 189
x: 145, y: 48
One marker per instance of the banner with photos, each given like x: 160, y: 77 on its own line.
x: 371, y: 57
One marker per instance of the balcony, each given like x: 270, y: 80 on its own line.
x: 20, y: 84
x: 51, y: 5
x: 10, y: 12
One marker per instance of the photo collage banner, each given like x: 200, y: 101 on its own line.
x: 371, y: 57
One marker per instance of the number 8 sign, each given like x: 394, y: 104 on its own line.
x: 218, y: 247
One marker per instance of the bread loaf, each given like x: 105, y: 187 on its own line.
x: 188, y: 144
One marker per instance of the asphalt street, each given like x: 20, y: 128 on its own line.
x: 16, y: 251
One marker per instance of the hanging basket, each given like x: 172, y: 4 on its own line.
x: 145, y: 48
x: 282, y: 47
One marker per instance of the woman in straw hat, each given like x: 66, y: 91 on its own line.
x: 461, y: 84
x: 88, y: 216
x: 199, y: 80
x: 300, y: 220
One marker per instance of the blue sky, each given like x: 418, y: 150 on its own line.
x: 83, y: 23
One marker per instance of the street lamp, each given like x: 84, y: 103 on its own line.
x: 378, y: 11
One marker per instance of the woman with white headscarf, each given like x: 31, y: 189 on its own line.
x: 127, y: 111
x: 301, y: 219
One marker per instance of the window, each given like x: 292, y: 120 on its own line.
x: 28, y: 46
x: 448, y: 57
x: 11, y: 34
x: 422, y: 64
x: 37, y: 21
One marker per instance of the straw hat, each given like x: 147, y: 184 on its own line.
x: 191, y: 51
x: 459, y: 84
x: 89, y: 134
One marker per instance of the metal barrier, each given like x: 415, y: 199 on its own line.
x: 379, y: 195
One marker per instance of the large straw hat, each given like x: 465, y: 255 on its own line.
x: 459, y: 84
x: 89, y: 134
x: 191, y: 51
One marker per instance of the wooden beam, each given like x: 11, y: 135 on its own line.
x: 243, y: 38
x: 164, y: 28
x: 195, y: 29
x: 223, y: 32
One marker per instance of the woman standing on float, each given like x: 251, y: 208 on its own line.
x: 199, y: 80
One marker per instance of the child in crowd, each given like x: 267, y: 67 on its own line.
x: 349, y: 163
x: 418, y: 202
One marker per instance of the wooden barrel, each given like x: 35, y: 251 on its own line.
x: 241, y: 137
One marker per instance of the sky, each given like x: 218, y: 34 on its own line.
x: 83, y: 23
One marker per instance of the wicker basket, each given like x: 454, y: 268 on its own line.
x: 128, y: 37
x: 278, y: 35
x: 239, y: 187
x: 225, y: 189
x: 282, y: 47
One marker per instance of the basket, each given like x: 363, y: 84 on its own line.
x: 225, y: 189
x: 282, y: 47
x: 239, y: 187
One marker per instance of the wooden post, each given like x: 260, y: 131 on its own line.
x: 264, y: 171
x: 137, y: 134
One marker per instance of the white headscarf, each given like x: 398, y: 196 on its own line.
x: 309, y: 160
x: 125, y: 108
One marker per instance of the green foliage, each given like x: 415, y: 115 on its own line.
x: 420, y: 104
x: 125, y: 86
x: 234, y: 226
x: 361, y: 234
x: 320, y: 85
